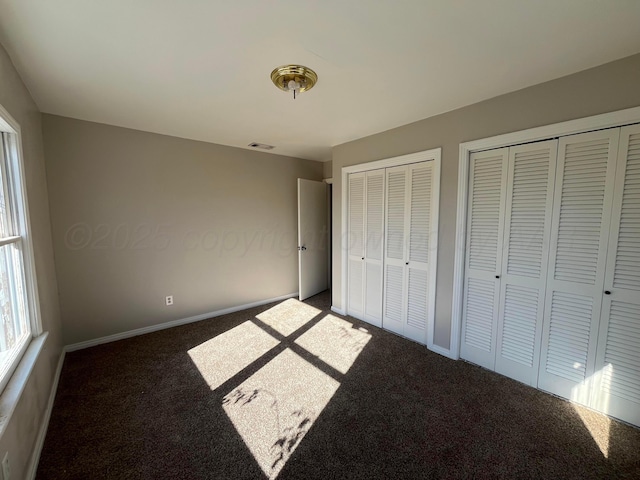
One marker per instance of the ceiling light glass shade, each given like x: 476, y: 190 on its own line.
x: 296, y: 78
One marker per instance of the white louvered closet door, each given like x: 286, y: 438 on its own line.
x: 585, y: 180
x: 355, y: 266
x: 617, y: 368
x: 394, y: 305
x: 483, y: 263
x: 374, y: 246
x: 407, y: 254
x: 529, y: 202
x: 417, y: 258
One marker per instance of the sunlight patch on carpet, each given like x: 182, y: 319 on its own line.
x: 598, y: 426
x: 288, y: 316
x: 335, y: 342
x: 595, y: 391
x: 275, y: 408
x: 224, y: 356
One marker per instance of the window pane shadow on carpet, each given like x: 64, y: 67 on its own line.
x: 293, y: 391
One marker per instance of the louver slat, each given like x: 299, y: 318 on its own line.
x: 396, y: 184
x: 528, y: 213
x: 519, y: 327
x: 581, y: 210
x: 393, y: 293
x: 373, y: 303
x: 622, y: 354
x: 417, y: 305
x: 375, y: 215
x: 479, y: 313
x: 627, y: 266
x: 356, y: 215
x: 355, y: 286
x: 485, y: 213
x: 569, y: 332
x: 420, y: 214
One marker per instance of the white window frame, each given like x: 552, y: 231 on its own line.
x: 20, y: 210
x: 571, y: 127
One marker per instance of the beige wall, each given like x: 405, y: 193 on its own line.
x: 137, y: 216
x: 327, y: 169
x: 607, y: 88
x: 20, y: 430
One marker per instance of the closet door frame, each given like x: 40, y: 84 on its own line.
x: 596, y: 122
x: 433, y: 155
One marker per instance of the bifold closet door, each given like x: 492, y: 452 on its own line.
x: 419, y: 256
x: 552, y: 279
x: 583, y: 201
x: 617, y: 366
x: 373, y: 246
x: 523, y: 276
x: 355, y: 245
x: 366, y: 245
x: 408, y: 255
x: 483, y: 263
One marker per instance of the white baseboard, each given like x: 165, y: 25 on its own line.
x: 42, y: 433
x: 32, y: 468
x: 442, y: 351
x: 434, y: 348
x: 174, y: 323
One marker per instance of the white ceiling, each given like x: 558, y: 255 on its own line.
x: 200, y: 69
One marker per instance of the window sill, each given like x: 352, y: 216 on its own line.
x: 13, y: 391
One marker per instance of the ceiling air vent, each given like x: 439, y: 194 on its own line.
x: 262, y: 146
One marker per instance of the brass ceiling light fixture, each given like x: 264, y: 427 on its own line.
x: 296, y: 78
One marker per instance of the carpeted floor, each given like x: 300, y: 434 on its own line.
x: 292, y: 391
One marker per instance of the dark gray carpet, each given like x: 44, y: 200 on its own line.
x: 140, y: 409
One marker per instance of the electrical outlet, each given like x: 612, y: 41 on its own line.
x: 169, y: 299
x: 6, y: 469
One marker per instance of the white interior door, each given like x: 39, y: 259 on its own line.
x: 617, y: 368
x: 312, y: 238
x: 529, y: 202
x: 585, y: 178
x: 483, y: 263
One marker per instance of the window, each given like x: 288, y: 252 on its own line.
x: 19, y: 312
